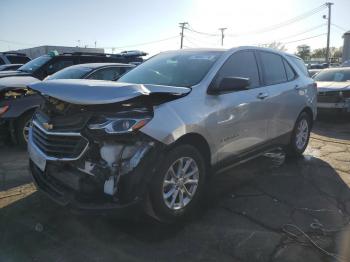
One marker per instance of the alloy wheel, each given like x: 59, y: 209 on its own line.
x: 180, y: 183
x: 302, y: 134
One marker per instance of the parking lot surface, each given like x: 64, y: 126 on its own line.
x: 268, y: 209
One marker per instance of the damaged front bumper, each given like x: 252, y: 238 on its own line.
x: 104, y: 174
x: 342, y: 105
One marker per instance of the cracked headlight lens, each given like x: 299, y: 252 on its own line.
x: 120, y: 125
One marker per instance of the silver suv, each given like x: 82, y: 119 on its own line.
x: 152, y: 138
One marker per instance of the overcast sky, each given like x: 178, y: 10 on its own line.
x: 132, y: 24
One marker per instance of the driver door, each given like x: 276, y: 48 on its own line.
x: 239, y: 122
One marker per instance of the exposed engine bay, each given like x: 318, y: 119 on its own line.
x: 95, y: 152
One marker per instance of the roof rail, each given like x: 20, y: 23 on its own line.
x: 134, y: 53
x: 130, y: 53
x: 14, y: 53
x: 84, y: 53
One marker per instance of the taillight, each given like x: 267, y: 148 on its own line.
x: 3, y: 109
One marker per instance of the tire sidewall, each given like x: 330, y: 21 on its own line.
x: 293, y: 145
x: 20, y: 126
x: 162, y: 212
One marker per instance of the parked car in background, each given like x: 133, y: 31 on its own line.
x: 10, y: 67
x: 317, y: 66
x: 313, y: 72
x: 17, y: 103
x: 346, y: 63
x: 333, y: 86
x: 98, y: 71
x: 152, y: 138
x: 51, y: 63
x: 13, y: 58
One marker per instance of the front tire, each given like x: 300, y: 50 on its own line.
x: 177, y: 186
x: 22, y: 129
x: 300, y: 136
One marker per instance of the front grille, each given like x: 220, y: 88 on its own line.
x: 329, y: 97
x: 58, y: 145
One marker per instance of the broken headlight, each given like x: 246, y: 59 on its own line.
x: 120, y: 125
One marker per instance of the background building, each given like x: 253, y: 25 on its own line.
x: 346, y: 46
x: 42, y: 50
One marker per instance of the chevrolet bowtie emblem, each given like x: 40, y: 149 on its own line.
x: 47, y: 126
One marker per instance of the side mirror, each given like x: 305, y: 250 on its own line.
x: 231, y: 84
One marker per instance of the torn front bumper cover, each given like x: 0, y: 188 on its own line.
x: 116, y: 179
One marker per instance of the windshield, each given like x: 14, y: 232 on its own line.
x: 333, y: 76
x: 34, y: 64
x: 73, y: 72
x: 173, y: 69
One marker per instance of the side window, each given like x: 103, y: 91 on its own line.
x: 91, y: 59
x: 58, y: 64
x: 273, y: 68
x: 289, y: 71
x: 301, y: 65
x: 241, y: 64
x: 111, y: 73
x: 1, y: 61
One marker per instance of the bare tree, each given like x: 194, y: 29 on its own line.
x: 275, y: 45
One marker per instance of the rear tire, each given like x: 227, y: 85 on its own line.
x: 177, y: 186
x: 300, y: 136
x: 22, y: 129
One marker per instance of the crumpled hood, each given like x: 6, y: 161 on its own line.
x: 332, y: 86
x: 95, y: 92
x: 16, y: 82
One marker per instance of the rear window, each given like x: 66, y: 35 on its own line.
x: 300, y: 64
x: 74, y: 72
x: 333, y: 76
x: 14, y: 59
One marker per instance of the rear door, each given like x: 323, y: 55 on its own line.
x: 283, y: 84
x: 240, y: 122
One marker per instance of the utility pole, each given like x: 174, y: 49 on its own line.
x: 329, y: 5
x: 222, y: 35
x: 182, y: 26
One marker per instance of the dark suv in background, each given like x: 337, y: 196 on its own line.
x: 17, y: 103
x: 13, y: 58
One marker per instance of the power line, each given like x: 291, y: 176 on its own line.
x: 266, y: 29
x: 16, y: 43
x: 144, y: 43
x: 283, y: 24
x: 199, y: 32
x: 303, y: 32
x: 298, y: 34
x: 339, y: 27
x: 202, y: 42
x: 304, y: 39
x: 189, y: 41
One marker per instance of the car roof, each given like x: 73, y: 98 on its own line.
x: 231, y: 49
x: 99, y: 65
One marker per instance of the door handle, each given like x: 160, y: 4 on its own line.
x: 297, y: 87
x: 263, y: 95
